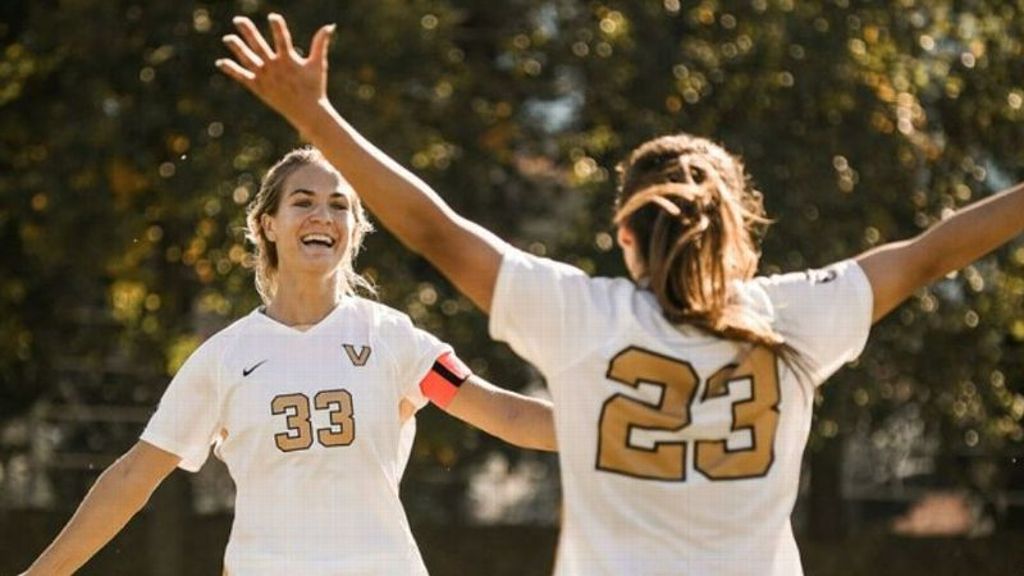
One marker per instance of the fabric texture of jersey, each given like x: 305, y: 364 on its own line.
x: 308, y: 425
x: 680, y: 452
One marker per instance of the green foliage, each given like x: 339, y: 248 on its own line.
x: 126, y: 161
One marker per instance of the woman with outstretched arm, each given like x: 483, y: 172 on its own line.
x: 309, y: 400
x: 683, y: 393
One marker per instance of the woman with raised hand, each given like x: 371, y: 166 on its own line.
x: 683, y: 394
x: 309, y: 401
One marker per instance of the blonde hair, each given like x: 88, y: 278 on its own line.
x: 268, y: 200
x: 694, y: 214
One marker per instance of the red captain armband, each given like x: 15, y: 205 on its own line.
x: 441, y: 384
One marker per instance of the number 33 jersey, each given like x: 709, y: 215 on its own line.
x: 308, y: 424
x: 680, y: 451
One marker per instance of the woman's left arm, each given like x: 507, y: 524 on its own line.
x: 517, y: 419
x: 896, y: 270
x: 296, y: 87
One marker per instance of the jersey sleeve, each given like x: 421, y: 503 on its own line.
x: 551, y: 313
x: 825, y: 314
x: 413, y: 352
x: 187, y: 419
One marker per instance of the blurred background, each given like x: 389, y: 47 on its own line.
x: 126, y: 161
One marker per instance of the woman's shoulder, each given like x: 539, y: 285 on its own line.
x: 809, y: 296
x: 376, y: 313
x: 364, y: 305
x: 220, y: 340
x: 755, y: 295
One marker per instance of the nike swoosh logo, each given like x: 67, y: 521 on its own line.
x: 250, y: 370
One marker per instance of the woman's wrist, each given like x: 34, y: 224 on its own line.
x: 312, y: 120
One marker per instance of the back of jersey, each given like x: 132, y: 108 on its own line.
x: 680, y: 451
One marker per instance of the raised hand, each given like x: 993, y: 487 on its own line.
x: 296, y: 87
x: 285, y: 80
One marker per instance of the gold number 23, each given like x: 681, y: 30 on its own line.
x: 679, y: 382
x: 341, y: 432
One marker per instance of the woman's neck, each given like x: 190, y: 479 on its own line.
x: 303, y: 303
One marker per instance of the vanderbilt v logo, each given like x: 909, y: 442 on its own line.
x: 357, y: 358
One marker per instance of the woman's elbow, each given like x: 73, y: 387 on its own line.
x: 133, y: 478
x: 540, y: 427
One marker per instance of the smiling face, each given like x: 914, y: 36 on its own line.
x: 306, y: 219
x: 312, y: 227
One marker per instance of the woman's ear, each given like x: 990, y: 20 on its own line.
x: 634, y: 263
x: 624, y: 236
x: 267, y: 223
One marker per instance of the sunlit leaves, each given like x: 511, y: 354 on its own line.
x: 16, y: 66
x: 126, y: 162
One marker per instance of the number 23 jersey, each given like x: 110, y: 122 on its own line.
x: 680, y: 451
x: 308, y: 425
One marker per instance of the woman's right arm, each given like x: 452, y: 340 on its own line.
x: 296, y: 87
x: 121, y: 491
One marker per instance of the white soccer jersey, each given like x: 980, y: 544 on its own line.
x: 680, y: 452
x: 308, y: 425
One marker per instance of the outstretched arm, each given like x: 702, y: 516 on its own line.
x: 118, y: 494
x: 296, y: 87
x: 896, y: 270
x: 517, y: 419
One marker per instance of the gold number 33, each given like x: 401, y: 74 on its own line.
x: 342, y: 431
x: 679, y: 382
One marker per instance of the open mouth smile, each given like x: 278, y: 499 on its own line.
x: 317, y: 239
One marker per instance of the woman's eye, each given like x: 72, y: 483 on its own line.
x: 340, y: 207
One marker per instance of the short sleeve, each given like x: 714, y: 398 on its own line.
x: 187, y: 419
x: 413, y: 352
x: 825, y: 315
x: 551, y: 313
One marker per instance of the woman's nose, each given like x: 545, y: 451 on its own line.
x: 321, y: 212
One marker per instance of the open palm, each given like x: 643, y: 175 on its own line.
x: 280, y: 76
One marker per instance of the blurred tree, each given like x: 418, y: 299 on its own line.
x: 876, y: 119
x: 126, y: 161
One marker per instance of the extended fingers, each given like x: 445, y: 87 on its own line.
x: 242, y: 52
x: 234, y: 70
x: 321, y: 42
x: 256, y: 42
x: 282, y: 37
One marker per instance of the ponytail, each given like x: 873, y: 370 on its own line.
x: 694, y: 216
